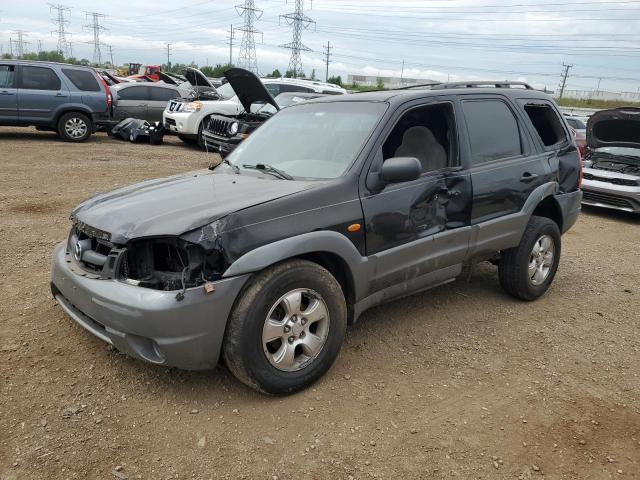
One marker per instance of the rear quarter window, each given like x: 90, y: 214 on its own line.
x: 83, y: 80
x: 163, y: 94
x: 546, y: 122
x: 133, y: 93
x: 493, y: 130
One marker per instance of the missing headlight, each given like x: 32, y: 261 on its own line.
x: 169, y: 264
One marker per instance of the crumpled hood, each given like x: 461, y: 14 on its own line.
x: 249, y: 88
x: 618, y: 127
x: 175, y: 205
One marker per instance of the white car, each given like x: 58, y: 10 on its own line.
x: 185, y: 117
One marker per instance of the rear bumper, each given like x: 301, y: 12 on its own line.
x: 609, y: 195
x: 570, y: 206
x: 148, y: 324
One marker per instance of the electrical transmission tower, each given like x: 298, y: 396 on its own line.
x: 61, y: 22
x: 97, y: 28
x: 565, y: 74
x: 299, y: 21
x: 247, y: 56
x: 20, y: 43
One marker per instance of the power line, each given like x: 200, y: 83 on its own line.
x: 61, y: 22
x: 565, y: 74
x: 327, y: 54
x: 247, y: 56
x: 97, y: 28
x: 299, y: 21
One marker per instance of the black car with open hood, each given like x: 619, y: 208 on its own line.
x: 619, y: 127
x: 222, y: 133
x: 200, y: 84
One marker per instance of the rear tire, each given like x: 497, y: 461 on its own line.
x: 287, y: 328
x: 74, y: 127
x: 526, y: 271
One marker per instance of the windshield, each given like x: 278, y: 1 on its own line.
x: 619, y: 151
x: 318, y: 140
x: 226, y: 91
x: 577, y: 123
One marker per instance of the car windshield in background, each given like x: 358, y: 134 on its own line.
x: 576, y: 123
x: 226, y: 91
x: 318, y: 140
x: 619, y: 151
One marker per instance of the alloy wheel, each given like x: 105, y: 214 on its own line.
x: 541, y: 259
x: 75, y: 127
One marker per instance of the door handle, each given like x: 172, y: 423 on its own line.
x: 528, y: 177
x: 60, y: 94
x: 5, y: 92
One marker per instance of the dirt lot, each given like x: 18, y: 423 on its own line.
x: 458, y: 382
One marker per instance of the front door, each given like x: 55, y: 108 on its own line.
x: 40, y: 94
x: 8, y: 94
x: 158, y: 100
x: 132, y: 102
x: 416, y: 228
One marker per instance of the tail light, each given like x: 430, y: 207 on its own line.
x: 106, y: 89
x: 580, y: 159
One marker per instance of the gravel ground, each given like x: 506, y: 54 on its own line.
x: 457, y: 382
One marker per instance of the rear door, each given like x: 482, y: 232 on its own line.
x: 40, y: 94
x: 8, y: 94
x: 159, y: 97
x: 132, y: 101
x: 504, y: 165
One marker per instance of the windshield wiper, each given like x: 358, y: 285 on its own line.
x: 265, y: 167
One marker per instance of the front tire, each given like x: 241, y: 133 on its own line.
x: 74, y: 127
x: 287, y: 328
x: 526, y: 271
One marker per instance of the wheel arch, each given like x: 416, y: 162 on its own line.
x: 331, y: 250
x: 73, y: 109
x: 549, y: 208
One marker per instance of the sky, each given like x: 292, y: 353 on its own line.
x: 435, y: 39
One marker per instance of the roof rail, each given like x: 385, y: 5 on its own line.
x: 419, y: 85
x: 477, y: 84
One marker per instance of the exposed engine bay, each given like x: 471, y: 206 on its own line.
x: 615, y: 166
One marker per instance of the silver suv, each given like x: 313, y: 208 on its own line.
x: 68, y: 99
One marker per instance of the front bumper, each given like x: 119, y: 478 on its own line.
x: 182, y: 123
x: 609, y: 195
x: 148, y: 324
x: 222, y: 145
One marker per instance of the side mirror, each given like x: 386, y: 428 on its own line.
x: 400, y: 169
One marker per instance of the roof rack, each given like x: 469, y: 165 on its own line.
x: 476, y: 84
x: 419, y: 85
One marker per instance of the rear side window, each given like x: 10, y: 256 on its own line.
x: 7, y: 76
x: 163, y: 94
x: 39, y: 78
x: 493, y: 130
x: 546, y: 122
x: 82, y: 79
x: 133, y: 93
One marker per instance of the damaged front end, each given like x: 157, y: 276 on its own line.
x: 161, y: 263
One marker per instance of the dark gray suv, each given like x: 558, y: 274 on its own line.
x: 68, y: 99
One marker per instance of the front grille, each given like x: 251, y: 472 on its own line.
x: 218, y: 126
x: 175, y: 106
x: 606, y: 199
x: 91, y: 251
x: 615, y: 181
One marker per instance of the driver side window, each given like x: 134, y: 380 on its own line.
x: 426, y: 133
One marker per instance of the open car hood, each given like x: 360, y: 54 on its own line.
x: 618, y: 127
x: 196, y: 78
x: 249, y: 88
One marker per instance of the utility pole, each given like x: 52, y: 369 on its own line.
x: 565, y: 74
x: 402, y: 74
x: 327, y: 55
x: 598, y: 87
x: 61, y: 22
x: 231, y: 38
x: 247, y: 57
x: 299, y: 21
x: 168, y: 56
x: 70, y: 49
x: 97, y: 28
x: 39, y: 46
x: 110, y: 47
